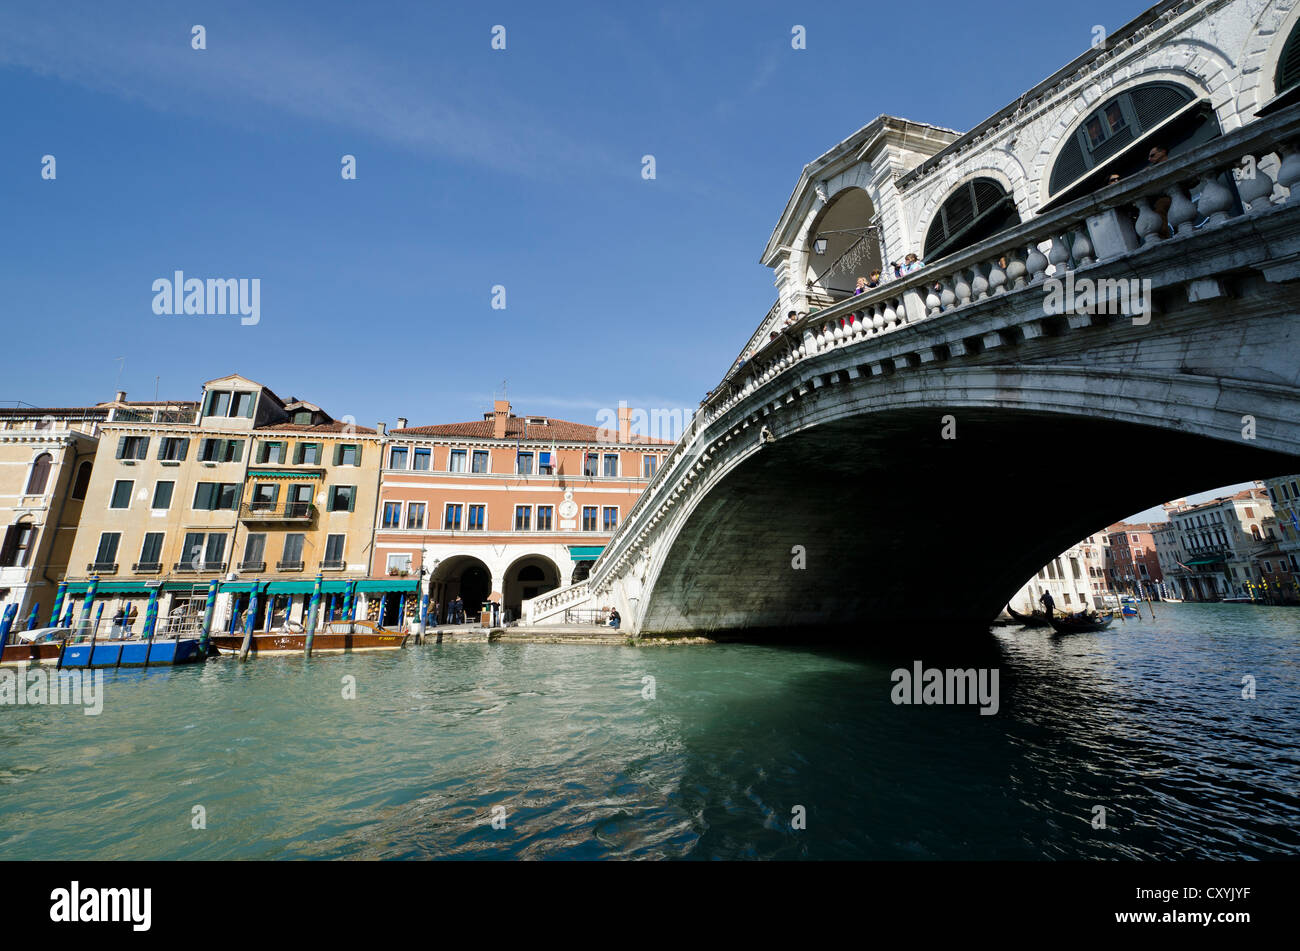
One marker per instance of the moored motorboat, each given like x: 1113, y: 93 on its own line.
x: 334, y: 637
x: 39, y: 646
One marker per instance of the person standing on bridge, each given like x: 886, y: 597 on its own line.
x: 1048, y: 602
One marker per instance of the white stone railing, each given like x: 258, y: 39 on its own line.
x: 555, y: 602
x: 1080, y: 234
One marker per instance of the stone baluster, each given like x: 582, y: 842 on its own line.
x: 1036, y: 263
x: 891, y: 316
x: 1059, y: 256
x: 997, y: 278
x: 961, y: 289
x: 1288, y: 175
x: 1182, y: 213
x: 877, y: 319
x: 948, y: 296
x: 979, y: 283
x: 1149, y: 223
x: 1254, y: 186
x: 1082, y: 249
x: 1016, y: 271
x: 1214, y: 201
x: 932, y: 301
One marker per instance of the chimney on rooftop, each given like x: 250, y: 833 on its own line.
x: 401, y: 422
x: 119, y: 396
x: 380, y: 428
x: 500, y: 413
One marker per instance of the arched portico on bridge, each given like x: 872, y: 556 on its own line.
x: 839, y: 246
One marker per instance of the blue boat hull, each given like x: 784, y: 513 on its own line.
x: 161, y: 653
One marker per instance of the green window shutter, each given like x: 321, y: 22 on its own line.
x: 162, y: 447
x: 143, y: 451
x: 121, y: 447
x: 252, y: 401
x: 338, y: 453
x: 352, y: 497
x: 239, y: 450
x: 184, y: 449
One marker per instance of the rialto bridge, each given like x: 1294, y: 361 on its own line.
x: 920, y: 450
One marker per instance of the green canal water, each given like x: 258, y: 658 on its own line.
x: 1146, y: 720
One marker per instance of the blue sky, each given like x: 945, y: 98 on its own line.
x: 475, y: 168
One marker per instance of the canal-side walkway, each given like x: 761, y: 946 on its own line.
x: 547, y: 634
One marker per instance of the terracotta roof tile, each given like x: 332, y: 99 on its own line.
x: 560, y: 430
x: 332, y: 427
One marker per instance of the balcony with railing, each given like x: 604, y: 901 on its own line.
x: 102, y: 568
x: 277, y: 512
x: 288, y: 566
x: 198, y: 567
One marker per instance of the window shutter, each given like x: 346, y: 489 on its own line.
x: 184, y: 449
x: 338, y: 452
x: 238, y: 453
x: 352, y: 497
x: 162, y: 448
x: 121, y: 446
x: 142, y: 451
x: 10, y: 543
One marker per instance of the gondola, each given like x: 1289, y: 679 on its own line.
x: 1037, y: 619
x: 1079, y: 624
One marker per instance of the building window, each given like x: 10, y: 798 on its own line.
x: 271, y: 453
x: 40, y: 474
x: 523, y: 515
x: 451, y: 520
x: 477, y: 518
x: 524, y: 463
x: 254, y: 553
x: 214, y: 496
x: 133, y: 447
x: 544, y: 514
x: 162, y: 495
x: 173, y: 449
x: 348, y: 454
x: 334, y: 551
x: 591, y: 464
x: 399, y: 564
x: 456, y: 463
x: 242, y: 405
x: 648, y: 466
x: 415, y: 515
x: 611, y: 518
x: 397, y: 457
x: 392, y: 515
x: 17, y: 545
x: 265, y: 495
x: 309, y: 453
x: 106, y: 554
x: 221, y: 450
x: 342, y: 498
x: 422, y: 460
x: 611, y: 465
x: 121, y: 494
x: 291, y: 557
x: 589, y: 518
x: 480, y: 461
x: 81, y: 484
x: 151, y: 550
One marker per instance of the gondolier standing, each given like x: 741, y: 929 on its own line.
x: 1048, y: 602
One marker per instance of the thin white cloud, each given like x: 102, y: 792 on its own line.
x: 142, y: 52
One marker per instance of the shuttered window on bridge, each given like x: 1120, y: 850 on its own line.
x: 976, y: 210
x: 1288, y: 66
x: 1114, y: 126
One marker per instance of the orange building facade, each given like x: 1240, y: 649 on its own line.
x: 504, y: 508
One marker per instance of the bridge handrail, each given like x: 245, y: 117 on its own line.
x: 1018, y: 244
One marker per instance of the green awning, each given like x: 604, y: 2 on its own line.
x: 112, y: 587
x: 1206, y: 561
x: 239, y: 587
x: 278, y: 474
x: 304, y: 587
x: 392, y: 584
x: 585, y: 552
